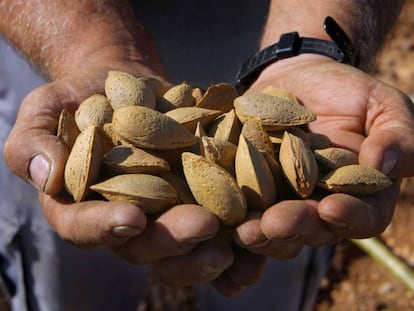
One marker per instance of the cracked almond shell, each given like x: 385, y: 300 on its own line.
x: 298, y: 164
x: 214, y: 188
x: 254, y: 176
x: 253, y: 131
x: 151, y: 194
x: 225, y: 127
x: 220, y: 152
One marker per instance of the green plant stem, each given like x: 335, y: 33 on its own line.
x: 380, y: 253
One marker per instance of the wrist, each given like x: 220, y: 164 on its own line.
x: 292, y: 44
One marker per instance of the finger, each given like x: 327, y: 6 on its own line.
x: 32, y: 150
x: 175, y: 232
x: 390, y: 125
x: 296, y: 221
x: 245, y: 270
x: 250, y: 236
x: 359, y: 217
x: 93, y: 223
x: 204, y: 264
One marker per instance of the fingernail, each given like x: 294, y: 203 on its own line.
x: 125, y: 231
x: 39, y: 170
x: 287, y: 239
x: 200, y: 239
x: 389, y: 161
x: 334, y: 222
x: 211, y: 272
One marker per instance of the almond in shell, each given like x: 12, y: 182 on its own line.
x: 147, y: 128
x: 253, y: 131
x: 298, y: 164
x: 83, y: 164
x: 225, y: 127
x: 214, y: 188
x: 123, y: 89
x: 151, y: 194
x: 132, y: 160
x: 276, y: 113
x: 220, y: 152
x: 254, y: 176
x: 180, y: 95
x: 190, y: 116
x: 218, y: 96
x: 67, y: 130
x: 95, y: 110
x: 335, y: 157
x: 355, y: 180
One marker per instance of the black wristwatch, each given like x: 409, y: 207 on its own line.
x: 291, y: 44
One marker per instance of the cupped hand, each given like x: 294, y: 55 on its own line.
x: 34, y: 152
x: 357, y: 112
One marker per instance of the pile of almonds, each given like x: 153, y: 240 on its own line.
x: 157, y: 147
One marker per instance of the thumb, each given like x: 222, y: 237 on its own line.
x: 389, y: 146
x: 32, y: 149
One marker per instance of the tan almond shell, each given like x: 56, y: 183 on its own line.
x: 283, y: 93
x: 335, y: 157
x: 225, y: 127
x: 298, y: 164
x: 190, y: 116
x: 355, y: 180
x: 95, y: 110
x: 147, y: 128
x: 319, y: 141
x: 83, y: 164
x: 180, y: 95
x: 150, y: 193
x: 254, y: 176
x: 110, y: 134
x: 67, y: 130
x: 276, y: 136
x: 275, y: 113
x: 197, y: 94
x: 254, y: 132
x: 218, y: 96
x: 199, y: 131
x: 132, y: 160
x: 157, y: 87
x: 180, y: 185
x: 283, y: 189
x: 214, y: 188
x: 123, y: 89
x: 220, y: 152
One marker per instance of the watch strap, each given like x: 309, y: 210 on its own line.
x: 291, y: 44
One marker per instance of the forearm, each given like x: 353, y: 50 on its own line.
x: 366, y: 22
x: 58, y: 36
